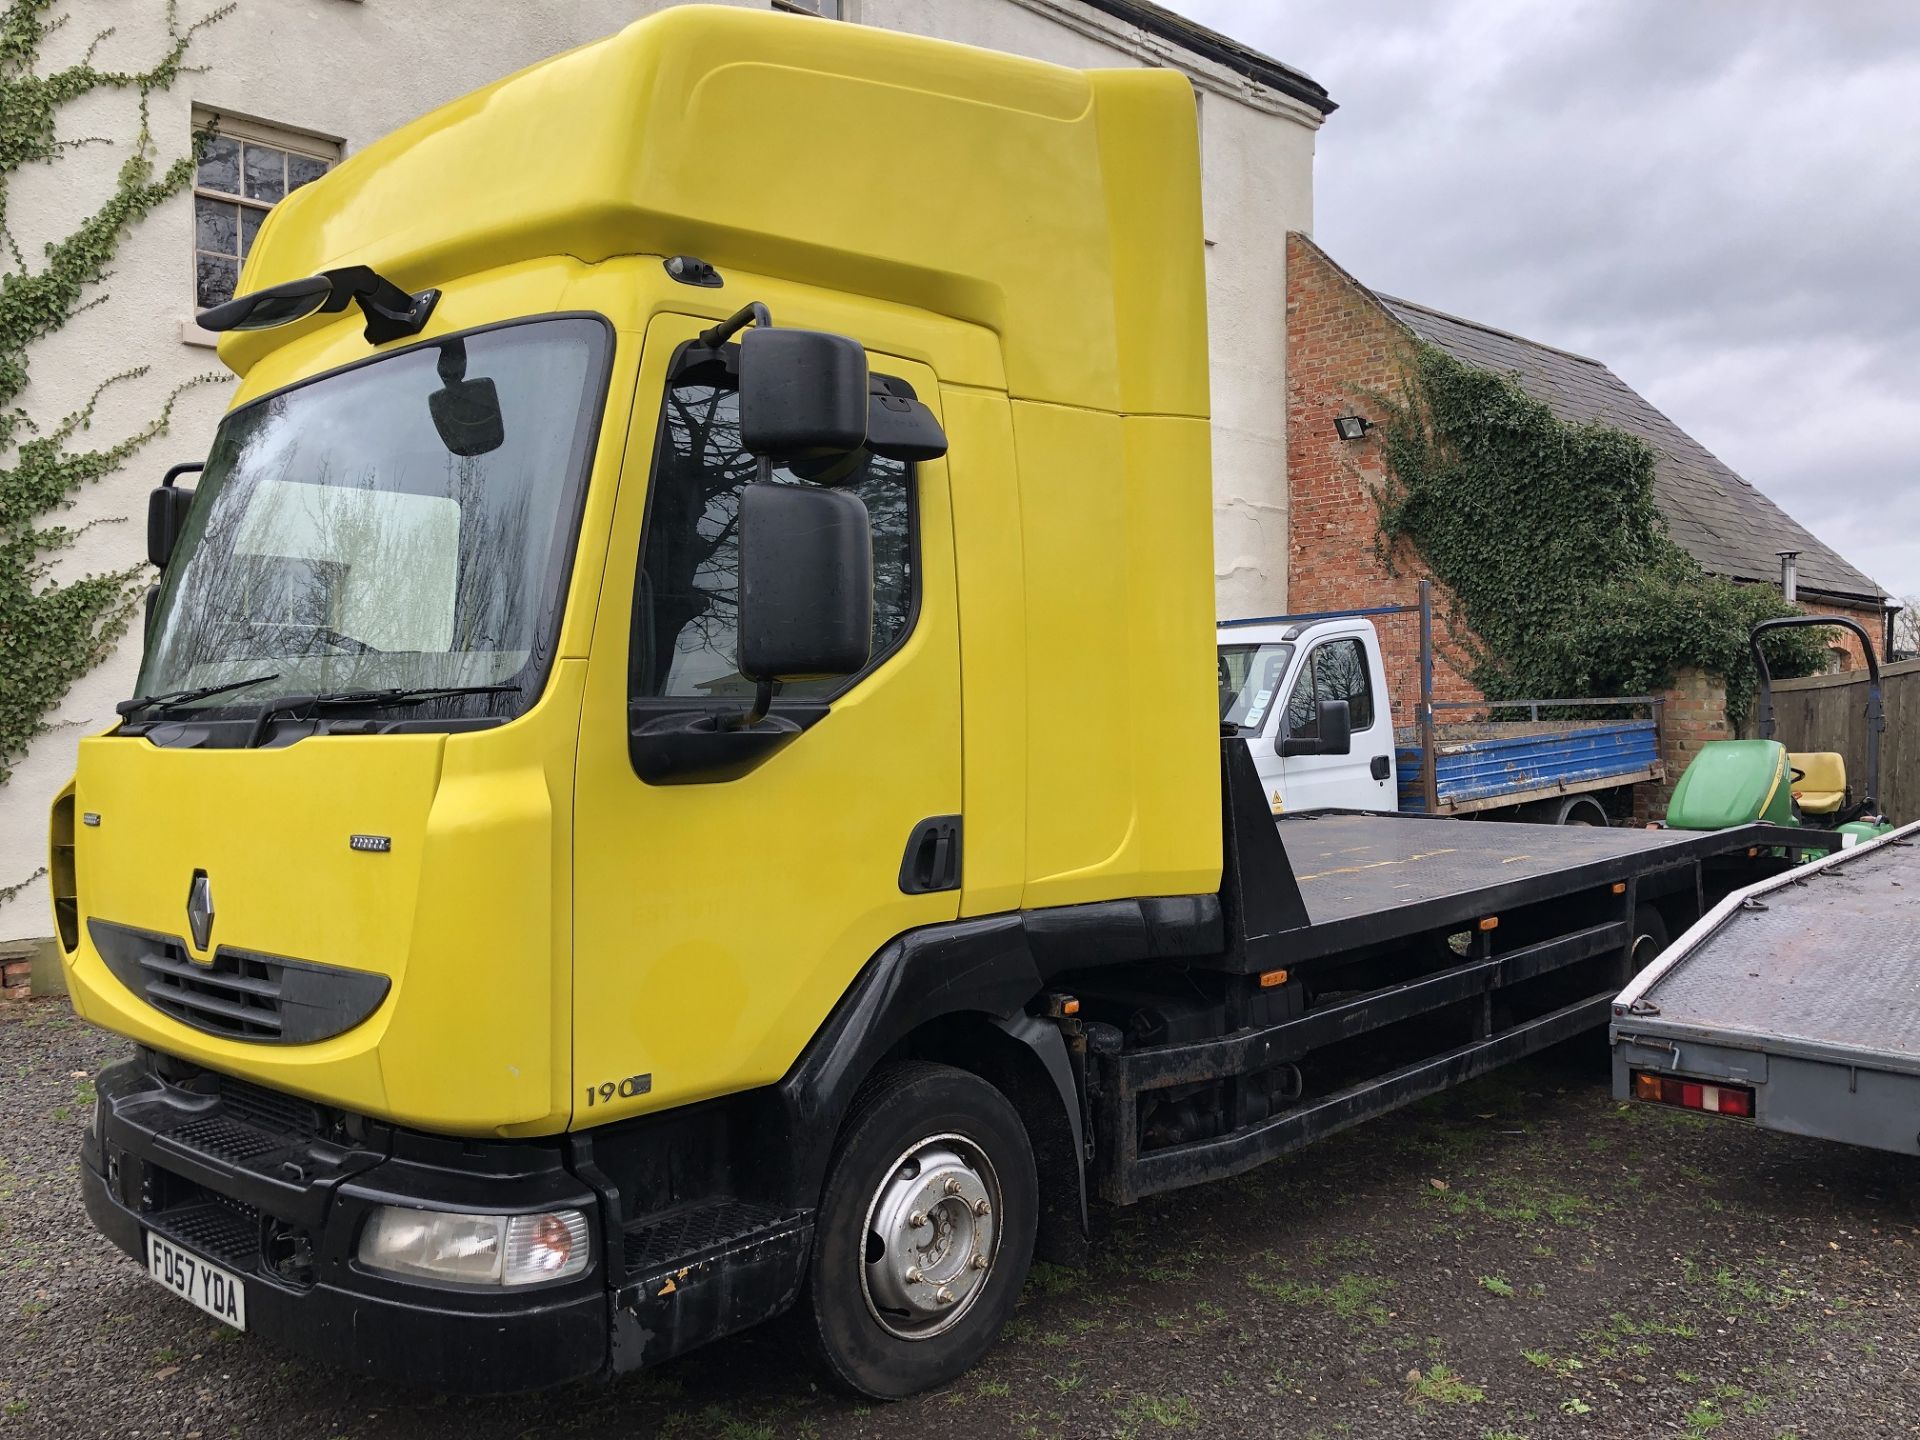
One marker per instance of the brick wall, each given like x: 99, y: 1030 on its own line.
x: 1694, y: 714
x: 1874, y: 621
x: 1342, y: 349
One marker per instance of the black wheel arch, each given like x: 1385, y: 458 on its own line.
x: 958, y: 994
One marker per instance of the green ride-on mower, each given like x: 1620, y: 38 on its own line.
x: 1739, y: 782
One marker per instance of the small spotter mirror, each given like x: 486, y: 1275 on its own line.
x: 390, y: 312
x: 276, y: 305
x: 466, y: 413
x: 167, y: 507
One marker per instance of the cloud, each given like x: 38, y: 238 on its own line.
x: 1720, y: 199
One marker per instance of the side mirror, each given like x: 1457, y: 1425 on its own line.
x: 1335, y: 737
x: 466, y: 413
x: 806, y: 582
x: 803, y: 394
x: 167, y: 509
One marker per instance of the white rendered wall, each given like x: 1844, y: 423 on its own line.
x: 352, y: 70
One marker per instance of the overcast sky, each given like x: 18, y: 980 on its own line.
x: 1720, y: 199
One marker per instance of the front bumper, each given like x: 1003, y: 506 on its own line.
x: 276, y: 1191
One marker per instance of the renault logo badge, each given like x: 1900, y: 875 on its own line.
x: 200, y: 910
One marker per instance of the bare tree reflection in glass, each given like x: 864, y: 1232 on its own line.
x: 686, y: 603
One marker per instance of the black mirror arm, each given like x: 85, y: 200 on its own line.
x: 752, y: 314
x: 391, y: 313
x: 763, y: 693
x: 185, y: 467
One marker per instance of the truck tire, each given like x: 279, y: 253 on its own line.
x: 893, y: 1307
x: 1580, y: 810
x: 1649, y: 938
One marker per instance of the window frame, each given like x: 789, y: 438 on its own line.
x: 222, y: 717
x: 243, y: 131
x: 1308, y: 674
x: 805, y: 708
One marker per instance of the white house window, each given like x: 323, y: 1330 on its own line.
x: 247, y: 169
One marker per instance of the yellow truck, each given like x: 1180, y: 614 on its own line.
x: 676, y: 772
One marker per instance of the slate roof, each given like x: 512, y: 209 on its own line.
x: 1717, y: 517
x: 1221, y: 49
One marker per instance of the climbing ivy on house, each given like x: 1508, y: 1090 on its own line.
x: 1558, y: 559
x: 54, y: 631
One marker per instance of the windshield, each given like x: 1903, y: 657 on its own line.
x: 337, y: 541
x: 1249, y: 677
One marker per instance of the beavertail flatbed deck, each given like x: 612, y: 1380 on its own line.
x: 1804, y: 989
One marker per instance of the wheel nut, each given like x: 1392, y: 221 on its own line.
x: 980, y: 1207
x: 943, y: 1295
x: 979, y: 1262
x: 917, y: 1219
x: 913, y: 1274
x: 953, y: 1186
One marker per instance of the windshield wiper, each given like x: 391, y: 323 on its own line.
x: 392, y: 695
x: 186, y: 697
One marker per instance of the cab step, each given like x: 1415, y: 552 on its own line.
x: 703, y: 1271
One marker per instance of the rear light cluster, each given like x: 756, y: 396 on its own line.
x: 1691, y: 1095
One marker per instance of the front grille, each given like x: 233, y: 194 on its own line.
x: 236, y: 995
x: 241, y: 994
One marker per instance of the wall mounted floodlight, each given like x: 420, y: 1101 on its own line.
x: 392, y: 314
x: 1352, y: 427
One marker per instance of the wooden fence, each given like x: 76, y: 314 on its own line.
x: 1828, y: 712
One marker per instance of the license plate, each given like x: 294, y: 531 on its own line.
x: 216, y: 1291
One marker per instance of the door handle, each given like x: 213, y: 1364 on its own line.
x: 1381, y: 767
x: 932, y: 860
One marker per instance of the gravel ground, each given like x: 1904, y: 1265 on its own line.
x: 1521, y: 1258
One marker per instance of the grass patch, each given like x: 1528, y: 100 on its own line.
x: 1161, y: 1412
x: 1494, y: 1285
x: 1542, y: 1360
x: 1702, y: 1419
x: 1352, y: 1297
x: 1443, y: 1386
x: 1049, y: 1280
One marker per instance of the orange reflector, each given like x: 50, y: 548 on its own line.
x: 1069, y: 1007
x: 1645, y: 1086
x: 1620, y: 888
x: 1271, y: 978
x: 1752, y: 851
x: 1492, y: 922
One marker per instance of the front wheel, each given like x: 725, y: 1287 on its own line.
x: 925, y: 1231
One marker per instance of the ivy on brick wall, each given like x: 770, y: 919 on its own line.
x: 52, y: 631
x: 1557, y: 556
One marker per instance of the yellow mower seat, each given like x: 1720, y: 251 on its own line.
x: 1823, y: 790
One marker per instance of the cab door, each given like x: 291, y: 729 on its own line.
x: 719, y: 918
x: 1339, y: 666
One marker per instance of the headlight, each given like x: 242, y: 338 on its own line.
x: 475, y: 1249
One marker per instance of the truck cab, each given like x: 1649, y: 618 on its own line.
x: 601, y: 742
x: 1276, y: 677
